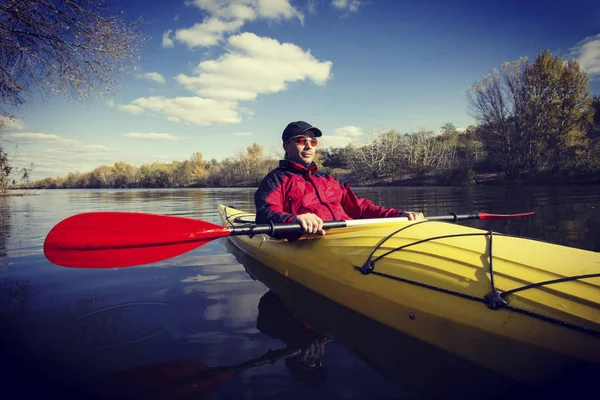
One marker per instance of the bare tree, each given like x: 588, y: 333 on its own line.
x: 77, y: 48
x: 534, y: 116
x: 497, y: 103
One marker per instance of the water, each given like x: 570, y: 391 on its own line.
x: 62, y: 328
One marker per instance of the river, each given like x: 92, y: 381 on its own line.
x: 62, y: 328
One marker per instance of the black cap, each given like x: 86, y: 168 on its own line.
x: 298, y: 128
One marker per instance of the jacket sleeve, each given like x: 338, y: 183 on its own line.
x: 359, y: 208
x: 269, y: 200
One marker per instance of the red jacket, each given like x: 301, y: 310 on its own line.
x: 292, y: 189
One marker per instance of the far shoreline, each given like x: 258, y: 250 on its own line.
x: 426, y: 180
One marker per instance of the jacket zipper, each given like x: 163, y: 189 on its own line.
x: 321, y: 200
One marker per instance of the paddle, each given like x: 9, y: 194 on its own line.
x: 123, y: 239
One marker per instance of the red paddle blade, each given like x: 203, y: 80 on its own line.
x: 503, y: 216
x: 123, y: 239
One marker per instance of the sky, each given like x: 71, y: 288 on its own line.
x: 217, y: 76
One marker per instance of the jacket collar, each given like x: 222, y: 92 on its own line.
x: 291, y: 165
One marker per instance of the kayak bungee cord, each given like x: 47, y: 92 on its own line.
x: 495, y: 299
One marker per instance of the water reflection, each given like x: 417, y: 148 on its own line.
x: 4, y: 231
x: 66, y: 326
x: 184, y: 378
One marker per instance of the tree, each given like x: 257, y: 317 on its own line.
x: 557, y: 113
x: 496, y: 102
x: 5, y: 170
x: 379, y: 158
x: 595, y: 129
x: 123, y: 175
x: 422, y: 150
x: 26, y: 173
x: 534, y: 116
x: 73, y: 47
x: 199, y: 174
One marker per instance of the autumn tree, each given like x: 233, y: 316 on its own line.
x: 5, y: 170
x: 198, y: 170
x: 534, y: 116
x: 124, y: 175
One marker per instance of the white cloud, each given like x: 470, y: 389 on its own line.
x: 58, y: 155
x: 131, y: 109
x: 194, y: 110
x: 11, y: 124
x: 255, y: 65
x: 66, y: 145
x: 346, y: 5
x: 166, y: 39
x: 243, y: 134
x: 342, y: 136
x: 208, y: 33
x: 228, y: 16
x: 587, y: 54
x: 151, y: 136
x: 278, y: 9
x: 154, y: 76
x: 249, y: 9
x: 98, y: 147
x: 350, y: 131
x: 29, y: 137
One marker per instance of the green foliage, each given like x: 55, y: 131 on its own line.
x: 535, y: 117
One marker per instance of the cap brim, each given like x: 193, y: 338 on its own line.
x: 316, y: 131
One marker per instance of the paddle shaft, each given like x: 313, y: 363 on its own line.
x: 282, y: 228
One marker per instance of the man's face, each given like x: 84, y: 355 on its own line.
x: 299, y: 150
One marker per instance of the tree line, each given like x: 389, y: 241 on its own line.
x: 536, y: 121
x: 451, y: 156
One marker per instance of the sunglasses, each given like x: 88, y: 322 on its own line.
x: 301, y: 140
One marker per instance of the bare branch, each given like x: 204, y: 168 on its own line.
x: 78, y: 48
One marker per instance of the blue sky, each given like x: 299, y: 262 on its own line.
x: 219, y: 75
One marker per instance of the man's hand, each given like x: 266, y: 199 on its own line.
x: 311, y: 223
x: 412, y: 215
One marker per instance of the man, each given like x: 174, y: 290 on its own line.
x: 297, y: 192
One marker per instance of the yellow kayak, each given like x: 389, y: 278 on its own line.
x: 527, y: 309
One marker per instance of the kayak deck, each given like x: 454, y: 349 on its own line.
x: 430, y: 280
